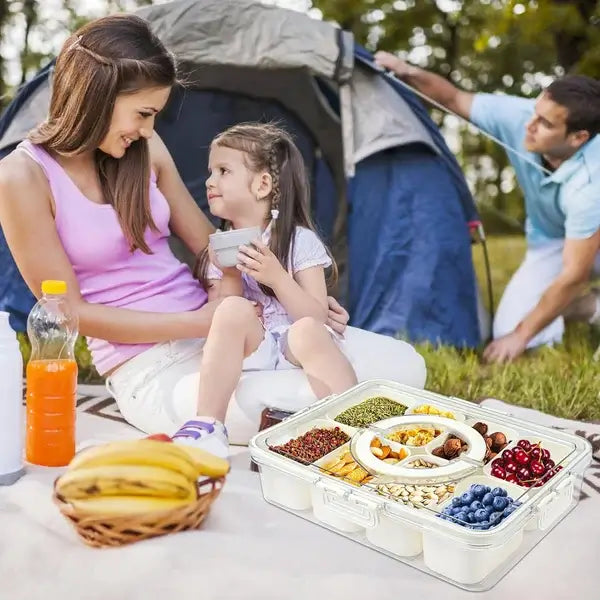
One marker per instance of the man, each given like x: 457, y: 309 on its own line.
x: 556, y: 158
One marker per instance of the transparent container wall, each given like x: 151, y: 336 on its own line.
x: 416, y: 522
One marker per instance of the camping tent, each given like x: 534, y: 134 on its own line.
x: 383, y: 179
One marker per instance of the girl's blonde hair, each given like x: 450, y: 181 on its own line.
x: 113, y: 55
x: 270, y: 148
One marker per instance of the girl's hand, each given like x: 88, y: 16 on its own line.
x: 259, y: 262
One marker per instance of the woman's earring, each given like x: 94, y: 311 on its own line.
x: 274, y: 214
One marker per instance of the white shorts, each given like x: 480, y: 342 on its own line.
x: 525, y: 289
x: 157, y: 390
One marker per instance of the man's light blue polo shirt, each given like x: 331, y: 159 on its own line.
x: 565, y: 204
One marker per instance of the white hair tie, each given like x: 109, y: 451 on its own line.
x: 274, y: 214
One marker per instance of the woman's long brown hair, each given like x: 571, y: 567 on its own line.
x: 113, y: 55
x: 269, y: 148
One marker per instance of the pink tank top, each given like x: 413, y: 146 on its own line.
x: 107, y: 272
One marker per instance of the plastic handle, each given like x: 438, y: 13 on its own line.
x: 555, y: 504
x: 344, y: 504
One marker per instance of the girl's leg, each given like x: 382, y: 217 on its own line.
x: 311, y: 346
x: 235, y: 333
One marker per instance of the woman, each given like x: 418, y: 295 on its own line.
x: 104, y: 195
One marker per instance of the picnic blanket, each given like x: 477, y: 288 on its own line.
x: 249, y: 549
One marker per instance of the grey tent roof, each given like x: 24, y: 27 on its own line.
x: 265, y: 51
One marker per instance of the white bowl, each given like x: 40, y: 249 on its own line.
x: 225, y: 244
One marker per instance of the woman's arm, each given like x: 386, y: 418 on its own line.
x: 28, y: 224
x: 187, y: 222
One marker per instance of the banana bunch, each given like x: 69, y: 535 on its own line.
x: 136, y: 476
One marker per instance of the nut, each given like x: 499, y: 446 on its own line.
x: 498, y: 441
x: 481, y: 428
x: 417, y: 496
x: 488, y: 441
x: 439, y: 452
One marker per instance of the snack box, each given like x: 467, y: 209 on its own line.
x: 456, y: 490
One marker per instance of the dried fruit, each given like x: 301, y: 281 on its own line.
x: 452, y: 447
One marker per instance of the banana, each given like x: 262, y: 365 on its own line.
x: 206, y: 463
x: 124, y: 480
x: 137, y: 452
x: 126, y: 505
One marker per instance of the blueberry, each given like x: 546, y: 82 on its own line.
x: 456, y: 510
x: 509, y: 510
x: 456, y: 502
x: 481, y: 515
x: 467, y: 498
x: 489, y: 509
x: 487, y: 499
x: 495, y: 518
x: 484, y: 525
x: 498, y: 491
x: 477, y: 491
x: 470, y: 518
x: 500, y: 503
x: 461, y: 516
x: 486, y: 489
x: 476, y: 505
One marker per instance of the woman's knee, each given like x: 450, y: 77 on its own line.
x: 305, y: 333
x: 234, y: 311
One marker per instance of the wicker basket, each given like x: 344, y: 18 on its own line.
x: 102, y: 532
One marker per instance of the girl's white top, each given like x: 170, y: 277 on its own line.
x: 307, y: 251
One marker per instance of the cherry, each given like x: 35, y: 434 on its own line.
x: 536, y: 453
x: 521, y: 456
x: 537, y: 468
x: 498, y: 462
x: 523, y: 473
x: 512, y: 478
x: 498, y: 472
x: 508, y: 455
x: 549, y: 464
x: 524, y: 444
x: 545, y: 454
x: 510, y: 466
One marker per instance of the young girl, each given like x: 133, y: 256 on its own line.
x: 257, y: 177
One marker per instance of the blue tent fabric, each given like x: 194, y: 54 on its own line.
x: 409, y: 255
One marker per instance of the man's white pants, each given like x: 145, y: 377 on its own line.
x: 538, y: 270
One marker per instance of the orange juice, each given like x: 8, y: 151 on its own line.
x: 51, y: 402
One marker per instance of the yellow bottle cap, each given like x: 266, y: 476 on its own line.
x: 53, y: 286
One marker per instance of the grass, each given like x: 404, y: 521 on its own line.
x: 564, y: 380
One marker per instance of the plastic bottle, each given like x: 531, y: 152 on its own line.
x: 11, y: 404
x: 52, y: 327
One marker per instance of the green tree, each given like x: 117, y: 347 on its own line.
x: 512, y: 46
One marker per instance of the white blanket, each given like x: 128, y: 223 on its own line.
x: 249, y: 549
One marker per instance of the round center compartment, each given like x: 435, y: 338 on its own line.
x: 468, y: 460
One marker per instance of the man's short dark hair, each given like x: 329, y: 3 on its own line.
x: 580, y: 95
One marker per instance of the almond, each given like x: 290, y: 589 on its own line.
x: 378, y: 452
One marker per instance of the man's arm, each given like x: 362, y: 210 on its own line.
x: 430, y: 84
x: 578, y: 260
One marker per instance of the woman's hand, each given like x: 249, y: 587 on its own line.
x: 337, y: 316
x: 259, y: 262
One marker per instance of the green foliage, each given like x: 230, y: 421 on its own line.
x: 511, y: 46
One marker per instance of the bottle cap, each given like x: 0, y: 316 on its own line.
x: 52, y: 286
